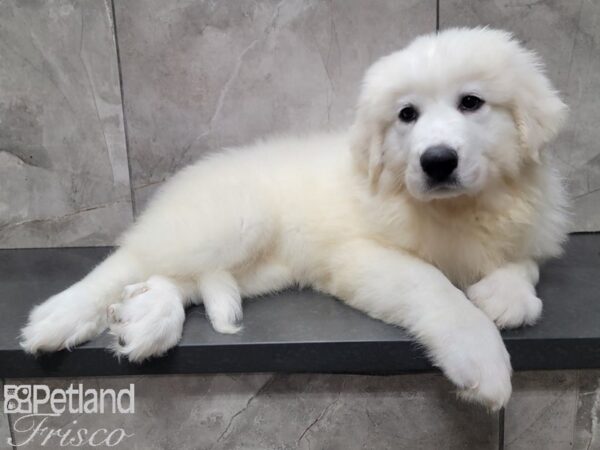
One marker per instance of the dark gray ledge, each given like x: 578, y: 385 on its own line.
x: 298, y: 331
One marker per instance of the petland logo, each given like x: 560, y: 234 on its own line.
x: 37, y: 402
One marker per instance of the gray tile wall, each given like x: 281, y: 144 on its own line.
x: 548, y: 411
x: 266, y: 411
x: 554, y: 410
x: 199, y: 75
x: 541, y: 414
x: 64, y: 177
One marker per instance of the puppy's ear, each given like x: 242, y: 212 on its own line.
x: 366, y: 144
x: 538, y: 111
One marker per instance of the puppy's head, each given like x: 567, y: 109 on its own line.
x: 453, y: 112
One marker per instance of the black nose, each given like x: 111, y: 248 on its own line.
x: 439, y: 162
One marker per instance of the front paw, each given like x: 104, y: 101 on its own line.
x: 149, y: 320
x: 507, y: 299
x: 475, y: 359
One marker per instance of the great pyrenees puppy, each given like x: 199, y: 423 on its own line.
x: 432, y: 213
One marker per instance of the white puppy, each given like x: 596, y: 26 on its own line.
x: 440, y: 185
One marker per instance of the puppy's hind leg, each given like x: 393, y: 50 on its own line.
x: 149, y: 319
x: 222, y: 301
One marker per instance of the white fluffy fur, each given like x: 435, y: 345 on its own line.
x: 350, y: 214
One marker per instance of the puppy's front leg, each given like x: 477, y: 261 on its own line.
x: 401, y: 289
x: 507, y: 295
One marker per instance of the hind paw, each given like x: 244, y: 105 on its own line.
x: 149, y: 320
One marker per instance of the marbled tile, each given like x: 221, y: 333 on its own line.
x: 360, y: 412
x: 63, y: 164
x: 201, y: 75
x: 587, y: 426
x: 567, y: 35
x: 5, y: 439
x: 264, y: 411
x: 541, y: 412
x: 184, y: 412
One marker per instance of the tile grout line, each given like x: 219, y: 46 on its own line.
x: 576, y: 408
x: 125, y: 129
x: 501, y: 429
x: 11, y: 432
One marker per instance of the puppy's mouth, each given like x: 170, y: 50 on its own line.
x: 443, y: 189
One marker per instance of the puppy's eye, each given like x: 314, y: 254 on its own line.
x: 470, y: 103
x: 408, y: 114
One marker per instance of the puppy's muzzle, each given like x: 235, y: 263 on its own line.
x: 439, y: 162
